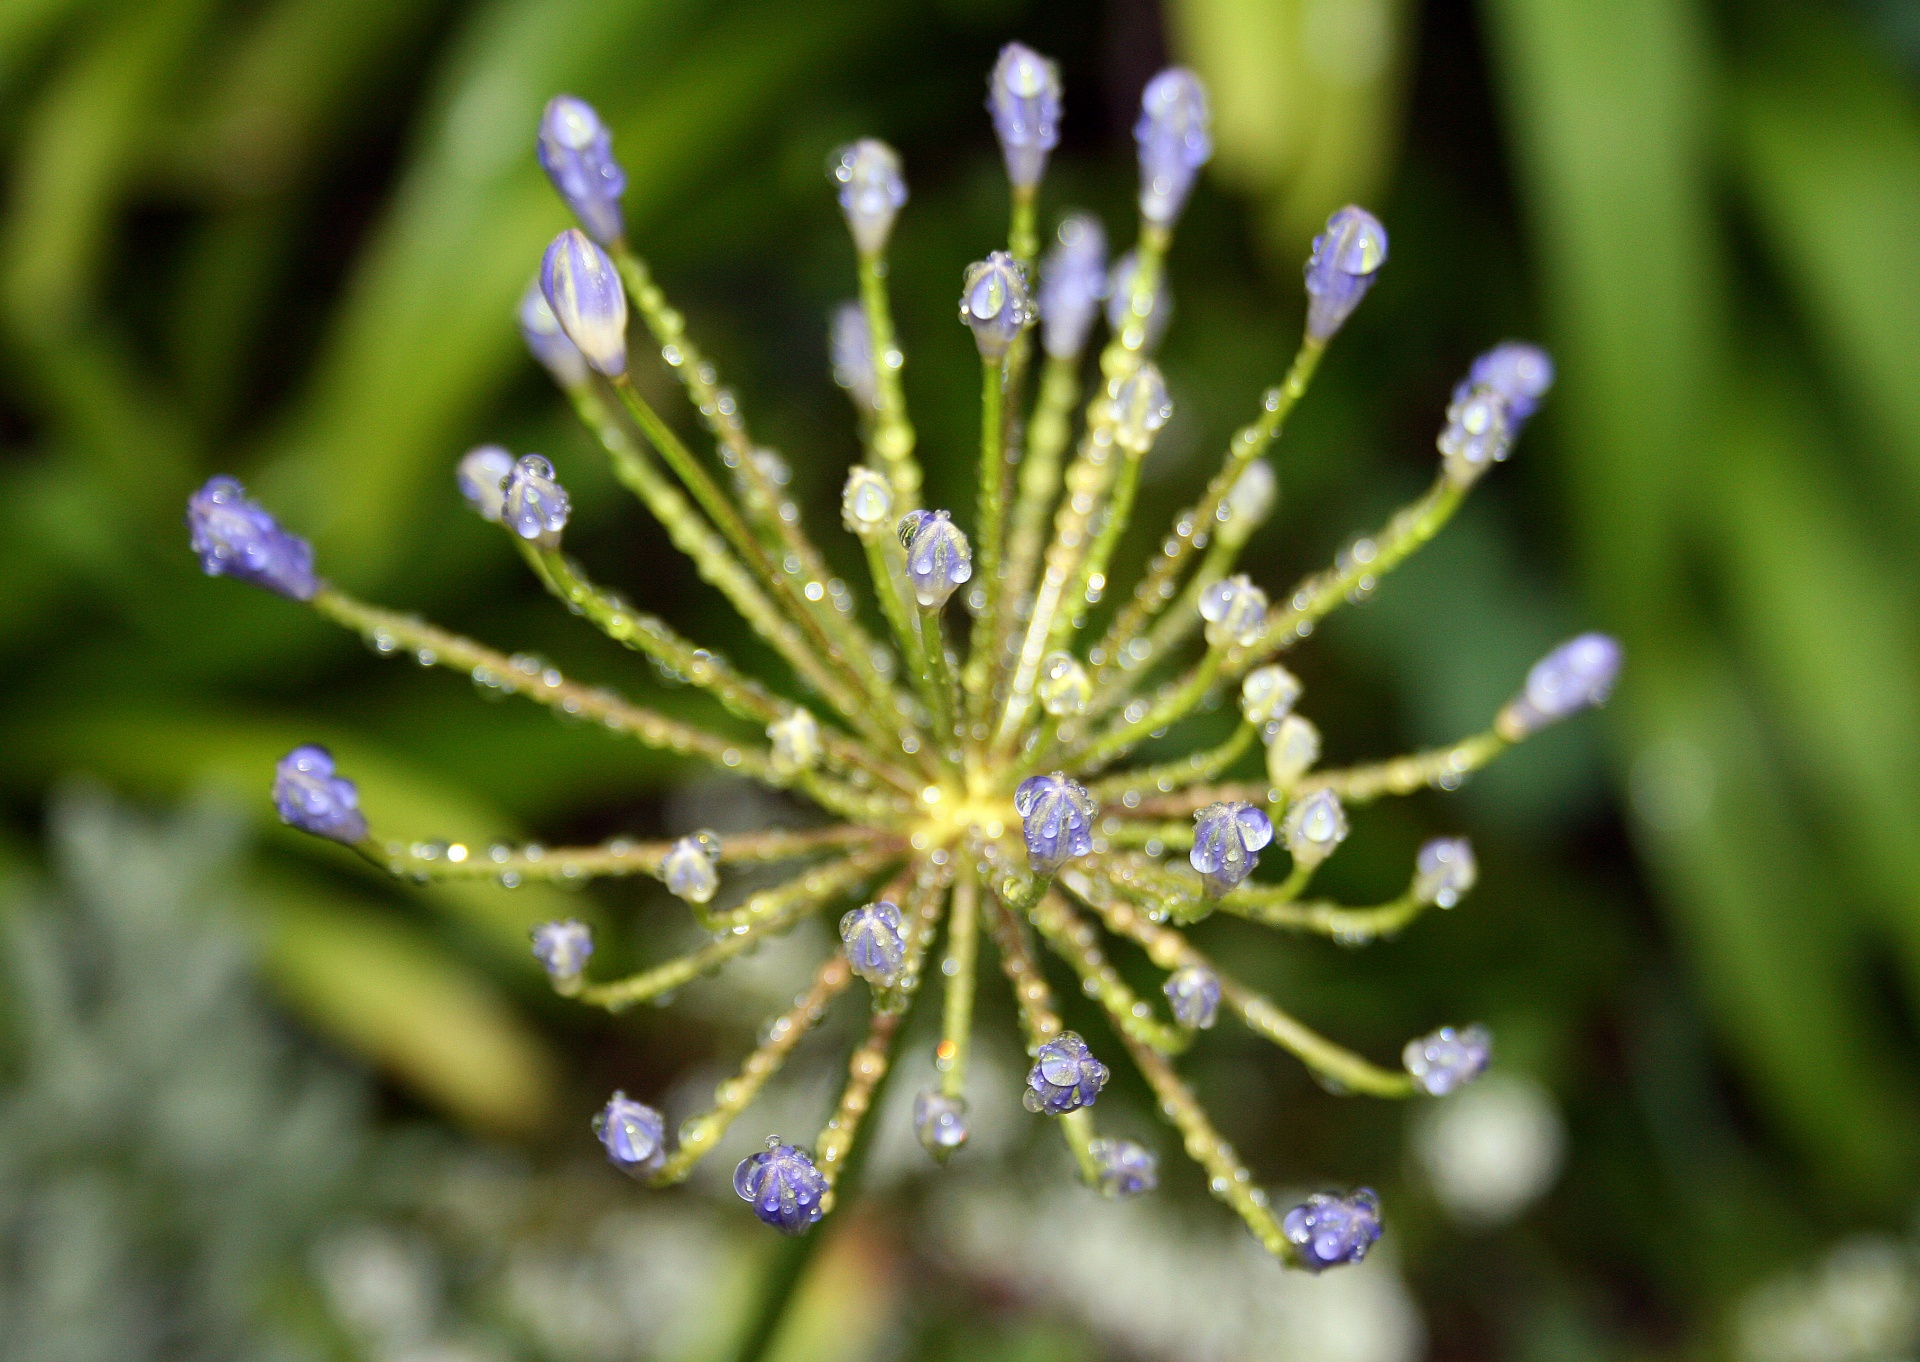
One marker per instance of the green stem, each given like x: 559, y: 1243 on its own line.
x: 990, y: 529
x: 893, y: 436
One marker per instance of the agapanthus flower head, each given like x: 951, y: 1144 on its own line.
x: 1346, y: 259
x: 1253, y: 497
x: 1444, y: 870
x: 236, y: 538
x: 1268, y: 696
x: 576, y: 151
x: 1193, y: 992
x: 1477, y: 435
x: 782, y: 1185
x: 1119, y: 291
x: 482, y: 475
x: 534, y: 506
x: 939, y: 560
x: 1065, y: 1076
x: 1056, y: 816
x: 1292, y: 749
x: 634, y: 1134
x: 1073, y: 280
x: 1174, y: 138
x: 588, y: 300
x: 1517, y: 373
x: 1235, y: 611
x: 794, y: 742
x: 866, y: 506
x: 1064, y: 687
x: 1314, y: 827
x: 872, y: 191
x: 547, y: 341
x: 691, y: 869
x: 1577, y: 675
x: 1329, y: 1230
x: 1127, y: 1167
x: 1227, y: 839
x: 1141, y: 408
x: 939, y: 1122
x: 1023, y: 94
x: 850, y: 346
x: 875, y: 942
x: 994, y: 304
x: 312, y: 798
x: 563, y: 949
x: 1448, y: 1059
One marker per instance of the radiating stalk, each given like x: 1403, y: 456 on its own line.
x: 457, y: 861
x: 989, y: 530
x: 1349, y: 926
x: 893, y: 436
x: 1173, y: 775
x: 1074, y: 940
x: 963, y: 954
x: 818, y: 883
x: 1091, y: 583
x: 1047, y: 437
x: 1170, y: 708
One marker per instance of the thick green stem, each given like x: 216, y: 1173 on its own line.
x: 892, y: 432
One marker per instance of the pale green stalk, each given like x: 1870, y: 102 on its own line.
x: 458, y: 861
x: 956, y: 1013
x: 1173, y: 775
x: 1349, y: 926
x: 893, y: 437
x: 816, y: 884
x: 1174, y: 705
x: 990, y: 528
x: 1074, y: 940
x: 1047, y: 438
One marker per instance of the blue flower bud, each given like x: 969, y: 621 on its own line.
x: 634, y: 1134
x: 540, y: 329
x: 1314, y: 827
x: 1073, y: 280
x: 1577, y: 675
x: 1227, y: 839
x: 866, y: 503
x: 235, y: 537
x: 1330, y: 1230
x: 1065, y: 1077
x: 940, y: 1122
x: 576, y: 151
x: 690, y: 868
x: 994, y: 305
x: 1444, y: 870
x: 1477, y: 434
x: 850, y: 346
x: 1235, y: 611
x: 312, y: 798
x: 1120, y: 300
x: 1174, y: 143
x: 1127, y: 1167
x: 1063, y: 687
x: 1346, y: 258
x: 563, y: 948
x: 1448, y: 1059
x: 1141, y: 408
x: 1268, y: 695
x: 1057, y: 816
x: 782, y: 1185
x: 876, y: 943
x: 1517, y: 373
x: 1193, y: 992
x: 1023, y: 94
x: 939, y: 560
x: 482, y: 475
x: 871, y: 191
x: 534, y: 506
x: 583, y: 289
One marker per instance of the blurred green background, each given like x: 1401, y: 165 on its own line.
x: 255, y: 1102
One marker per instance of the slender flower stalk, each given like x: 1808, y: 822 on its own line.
x: 977, y: 784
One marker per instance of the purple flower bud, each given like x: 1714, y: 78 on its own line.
x: 535, y: 506
x: 1577, y: 675
x: 583, y: 289
x: 871, y: 191
x: 1227, y: 838
x: 576, y: 151
x: 1517, y: 373
x: 1065, y: 1077
x: 1235, y: 611
x: 876, y: 943
x: 1119, y: 291
x: 1444, y: 871
x: 1330, y: 1230
x: 690, y: 869
x: 1073, y: 280
x: 312, y: 798
x: 563, y: 948
x: 482, y: 475
x: 1127, y: 1167
x: 1448, y: 1059
x: 235, y: 537
x: 1173, y: 141
x: 540, y: 329
x: 1193, y: 991
x: 1023, y: 94
x: 993, y: 303
x: 1057, y: 814
x: 1477, y: 434
x: 940, y: 1122
x: 850, y: 345
x: 782, y: 1185
x: 938, y: 557
x: 1346, y: 258
x: 634, y: 1134
x: 1314, y: 827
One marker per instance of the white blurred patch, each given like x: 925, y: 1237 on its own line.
x: 1860, y: 1304
x: 1491, y: 1150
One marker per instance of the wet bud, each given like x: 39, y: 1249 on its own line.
x: 1065, y: 1077
x: 1517, y: 373
x: 312, y: 798
x: 563, y: 949
x: 1140, y: 409
x: 876, y: 943
x: 1346, y: 259
x: 1023, y: 94
x: 690, y: 869
x: 1268, y: 695
x: 482, y: 476
x: 1235, y: 611
x: 1314, y: 827
x: 1064, y: 688
x: 796, y: 742
x: 576, y: 151
x: 635, y: 1135
x: 1120, y: 284
x: 866, y: 506
x: 871, y: 191
x: 851, y: 348
x: 540, y: 329
x: 583, y: 289
x: 1444, y: 871
x: 534, y: 506
x: 235, y: 537
x: 994, y: 305
x: 782, y: 1185
x: 1252, y: 499
x: 1477, y: 434
x: 1127, y: 1167
x: 1174, y: 143
x: 939, y: 561
x: 1448, y: 1059
x: 939, y: 1122
x: 1577, y: 675
x: 1073, y: 280
x: 1330, y: 1230
x: 1227, y: 839
x: 1292, y: 751
x: 1056, y: 814
x: 1193, y: 992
